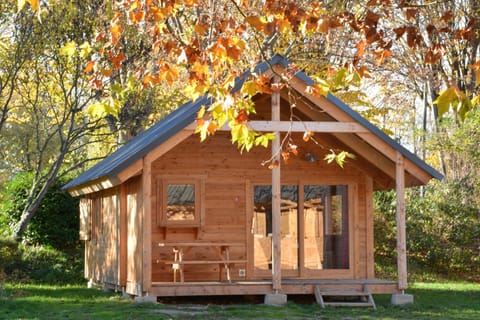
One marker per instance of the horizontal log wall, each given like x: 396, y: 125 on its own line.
x: 227, y: 173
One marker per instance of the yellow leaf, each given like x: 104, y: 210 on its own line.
x: 445, y: 100
x: 96, y: 110
x: 249, y: 88
x: 194, y: 90
x: 103, y: 108
x: 85, y: 49
x: 20, y: 5
x: 201, y: 112
x: 35, y: 4
x: 476, y: 100
x: 68, y: 49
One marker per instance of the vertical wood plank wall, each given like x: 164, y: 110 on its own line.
x: 134, y: 205
x: 102, y: 251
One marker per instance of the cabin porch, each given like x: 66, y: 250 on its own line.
x: 263, y: 287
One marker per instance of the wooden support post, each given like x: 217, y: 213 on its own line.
x: 401, y: 227
x: 276, y: 195
x: 147, y: 226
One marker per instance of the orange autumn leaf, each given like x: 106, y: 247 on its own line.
x: 411, y: 13
x: 361, y: 48
x: 136, y: 17
x: 89, y: 66
x: 212, y: 127
x: 307, y: 135
x: 364, y: 72
x: 256, y: 22
x: 285, y: 156
x: 168, y: 73
x: 242, y: 116
x: 106, y: 72
x: 292, y: 148
x: 95, y: 83
x: 201, y: 70
x: 283, y: 25
x: 476, y: 68
x: 273, y: 165
x: 150, y: 80
x: 262, y: 84
x: 115, y: 33
x: 317, y: 90
x: 117, y: 60
x: 156, y: 13
x: 381, y: 55
x: 201, y: 28
x: 447, y: 16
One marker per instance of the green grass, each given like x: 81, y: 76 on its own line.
x: 453, y: 300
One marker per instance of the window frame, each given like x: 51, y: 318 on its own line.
x: 162, y: 193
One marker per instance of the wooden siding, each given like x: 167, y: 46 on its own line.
x: 102, y: 251
x: 229, y: 176
x: 134, y: 245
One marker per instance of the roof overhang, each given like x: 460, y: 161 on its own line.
x: 340, y: 125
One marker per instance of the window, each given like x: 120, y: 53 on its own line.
x: 180, y: 201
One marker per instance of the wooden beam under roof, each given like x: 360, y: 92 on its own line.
x: 94, y: 186
x: 299, y: 126
x: 368, y: 137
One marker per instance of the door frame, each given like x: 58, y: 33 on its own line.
x: 301, y: 272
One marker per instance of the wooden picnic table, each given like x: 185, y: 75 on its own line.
x: 180, y: 249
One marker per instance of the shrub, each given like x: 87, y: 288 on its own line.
x: 40, y: 264
x: 443, y: 230
x: 51, y: 266
x: 56, y: 221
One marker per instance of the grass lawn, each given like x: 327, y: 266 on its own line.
x: 432, y: 301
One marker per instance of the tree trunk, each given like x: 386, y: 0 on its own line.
x: 34, y: 200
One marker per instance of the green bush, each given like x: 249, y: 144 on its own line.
x: 56, y: 221
x: 40, y: 264
x: 50, y: 266
x: 443, y: 230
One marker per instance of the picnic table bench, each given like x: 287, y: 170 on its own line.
x: 180, y: 250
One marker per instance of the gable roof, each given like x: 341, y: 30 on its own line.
x: 142, y: 144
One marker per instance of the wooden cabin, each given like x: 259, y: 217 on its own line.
x: 167, y: 215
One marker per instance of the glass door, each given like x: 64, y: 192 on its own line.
x: 262, y: 229
x: 318, y: 242
x: 325, y: 238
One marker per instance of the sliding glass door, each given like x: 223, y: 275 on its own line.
x: 325, y: 237
x: 314, y: 228
x: 262, y: 228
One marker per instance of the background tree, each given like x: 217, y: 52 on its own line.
x: 14, y: 43
x: 46, y: 125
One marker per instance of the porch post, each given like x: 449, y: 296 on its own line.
x: 276, y: 194
x: 401, y: 228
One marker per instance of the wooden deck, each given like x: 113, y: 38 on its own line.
x: 289, y: 286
